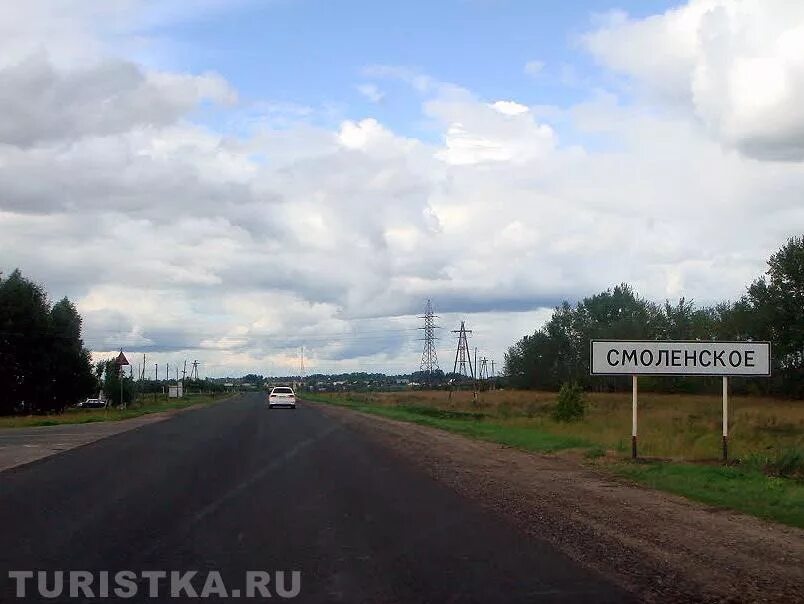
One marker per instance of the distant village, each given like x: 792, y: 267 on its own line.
x: 323, y: 383
x: 345, y: 382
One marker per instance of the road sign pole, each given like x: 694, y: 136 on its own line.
x: 725, y: 418
x: 634, y: 416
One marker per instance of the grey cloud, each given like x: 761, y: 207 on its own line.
x: 40, y: 103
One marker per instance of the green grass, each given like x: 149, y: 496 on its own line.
x: 746, y: 487
x: 473, y: 425
x: 87, y: 416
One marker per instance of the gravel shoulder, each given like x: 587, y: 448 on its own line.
x: 659, y: 546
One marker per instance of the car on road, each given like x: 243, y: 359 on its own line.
x: 282, y: 396
x: 92, y: 403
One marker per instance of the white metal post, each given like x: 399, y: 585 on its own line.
x: 634, y: 416
x: 725, y: 418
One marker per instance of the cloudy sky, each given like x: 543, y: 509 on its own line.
x: 229, y: 181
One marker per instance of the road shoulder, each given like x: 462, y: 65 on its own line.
x: 21, y: 446
x: 658, y: 545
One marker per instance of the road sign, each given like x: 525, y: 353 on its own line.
x: 656, y: 357
x: 683, y: 357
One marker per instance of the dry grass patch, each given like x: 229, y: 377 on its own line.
x: 671, y: 426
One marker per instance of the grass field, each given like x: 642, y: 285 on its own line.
x: 671, y: 426
x: 679, y: 436
x: 85, y: 416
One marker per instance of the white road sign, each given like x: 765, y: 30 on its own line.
x: 655, y: 357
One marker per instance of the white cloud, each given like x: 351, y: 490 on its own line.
x: 738, y: 65
x: 371, y: 92
x: 476, y: 132
x: 509, y: 107
x: 534, y: 68
x: 180, y: 241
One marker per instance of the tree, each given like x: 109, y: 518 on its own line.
x: 773, y: 309
x: 43, y: 363
x: 72, y: 372
x: 24, y: 345
x: 115, y: 384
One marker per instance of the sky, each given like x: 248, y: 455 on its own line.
x: 230, y: 181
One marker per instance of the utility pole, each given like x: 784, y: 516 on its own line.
x: 194, y: 371
x: 474, y: 396
x: 462, y: 353
x: 429, y: 364
x: 156, y: 372
x: 483, y: 372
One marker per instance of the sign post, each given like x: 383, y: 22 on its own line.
x: 634, y: 416
x: 725, y: 418
x: 684, y: 357
x: 120, y: 362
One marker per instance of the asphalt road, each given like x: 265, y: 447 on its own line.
x: 235, y: 487
x: 23, y: 445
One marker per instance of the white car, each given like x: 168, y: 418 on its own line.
x: 92, y: 403
x: 282, y: 396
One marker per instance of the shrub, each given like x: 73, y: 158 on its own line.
x: 789, y: 463
x: 570, y: 406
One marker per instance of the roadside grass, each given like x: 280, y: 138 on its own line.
x: 743, y: 489
x: 679, y: 438
x: 671, y: 426
x: 143, y: 406
x: 473, y: 425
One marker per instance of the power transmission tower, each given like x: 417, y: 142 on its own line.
x: 194, y: 371
x: 483, y: 372
x: 462, y: 354
x: 429, y: 364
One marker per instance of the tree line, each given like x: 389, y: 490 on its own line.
x: 44, y: 365
x: 771, y: 309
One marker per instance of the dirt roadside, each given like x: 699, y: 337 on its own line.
x: 662, y: 547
